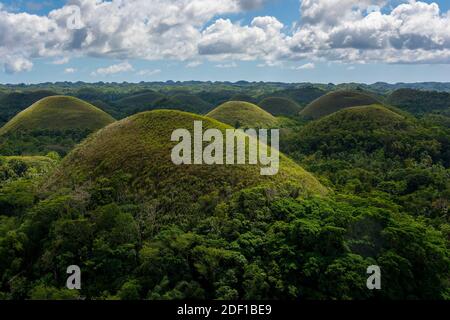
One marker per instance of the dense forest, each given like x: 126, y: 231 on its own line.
x: 361, y: 183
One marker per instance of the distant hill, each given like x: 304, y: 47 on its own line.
x: 184, y: 102
x: 14, y: 102
x: 279, y: 106
x: 420, y: 102
x: 137, y: 103
x: 242, y: 114
x: 58, y: 113
x: 52, y: 124
x: 138, y: 150
x: 335, y: 101
x: 356, y: 129
x: 303, y: 95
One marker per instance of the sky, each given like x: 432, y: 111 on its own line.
x: 318, y: 41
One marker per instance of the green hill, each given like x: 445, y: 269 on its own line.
x: 335, y: 101
x: 14, y: 102
x: 356, y: 129
x: 420, y: 102
x: 54, y: 123
x: 279, y: 106
x: 243, y: 115
x: 138, y: 150
x: 58, y: 113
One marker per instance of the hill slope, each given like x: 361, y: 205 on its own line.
x: 52, y: 124
x: 357, y: 129
x: 58, y: 113
x: 335, y: 101
x: 279, y: 106
x: 243, y: 115
x: 14, y: 102
x: 139, y: 148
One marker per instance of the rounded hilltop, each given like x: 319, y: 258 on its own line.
x: 140, y: 147
x: 58, y: 113
x: 336, y: 101
x: 370, y: 117
x: 357, y: 129
x: 240, y: 114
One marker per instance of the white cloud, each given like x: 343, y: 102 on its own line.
x: 70, y: 70
x: 17, y: 64
x: 113, y: 69
x: 306, y: 66
x: 353, y: 31
x: 148, y: 72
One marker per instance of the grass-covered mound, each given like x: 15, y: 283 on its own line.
x: 335, y: 101
x: 366, y: 128
x: 58, y: 113
x: 137, y: 152
x: 279, y: 106
x: 14, y: 102
x: 243, y: 115
x: 52, y: 124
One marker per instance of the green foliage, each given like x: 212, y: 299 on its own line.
x: 140, y: 228
x: 420, y: 102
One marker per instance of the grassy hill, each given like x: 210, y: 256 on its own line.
x: 358, y: 129
x: 54, y: 123
x: 58, y: 113
x: 420, y: 102
x: 138, y: 150
x: 279, y: 106
x: 243, y: 115
x: 335, y: 101
x: 14, y: 102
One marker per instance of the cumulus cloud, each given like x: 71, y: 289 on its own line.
x: 17, y: 64
x: 413, y: 32
x: 261, y: 39
x: 113, y: 69
x: 353, y: 31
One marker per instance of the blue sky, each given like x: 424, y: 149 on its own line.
x: 278, y: 47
